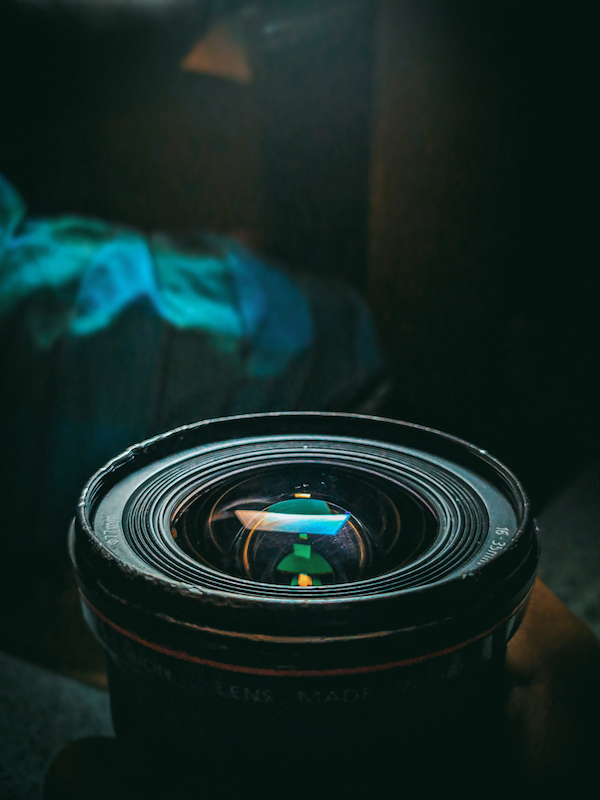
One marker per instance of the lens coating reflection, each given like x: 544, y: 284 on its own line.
x: 287, y: 517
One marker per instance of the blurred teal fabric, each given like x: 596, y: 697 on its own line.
x: 88, y: 272
x: 109, y: 336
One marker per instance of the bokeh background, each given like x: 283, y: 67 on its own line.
x: 435, y: 156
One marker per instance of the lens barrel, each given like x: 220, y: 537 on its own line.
x: 301, y: 584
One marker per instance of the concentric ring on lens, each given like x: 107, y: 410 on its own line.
x: 460, y: 515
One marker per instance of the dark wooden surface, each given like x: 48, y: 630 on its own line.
x: 481, y: 237
x: 442, y: 176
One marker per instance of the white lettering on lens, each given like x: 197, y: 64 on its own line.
x: 342, y: 696
x: 110, y: 530
x: 494, y: 547
x: 244, y: 693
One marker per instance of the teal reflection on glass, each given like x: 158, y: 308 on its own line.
x: 300, y: 515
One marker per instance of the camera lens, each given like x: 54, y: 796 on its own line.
x: 299, y: 581
x: 304, y: 525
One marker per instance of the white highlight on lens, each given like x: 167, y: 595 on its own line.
x: 323, y: 524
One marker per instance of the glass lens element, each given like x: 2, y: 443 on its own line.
x: 304, y: 525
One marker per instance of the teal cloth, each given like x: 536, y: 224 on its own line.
x: 108, y: 337
x: 88, y: 272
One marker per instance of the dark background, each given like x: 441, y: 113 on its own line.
x: 435, y: 154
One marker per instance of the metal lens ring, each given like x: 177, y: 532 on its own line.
x: 454, y: 508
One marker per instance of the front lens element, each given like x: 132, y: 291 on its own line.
x: 304, y: 526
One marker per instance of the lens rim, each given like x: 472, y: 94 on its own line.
x: 473, y: 600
